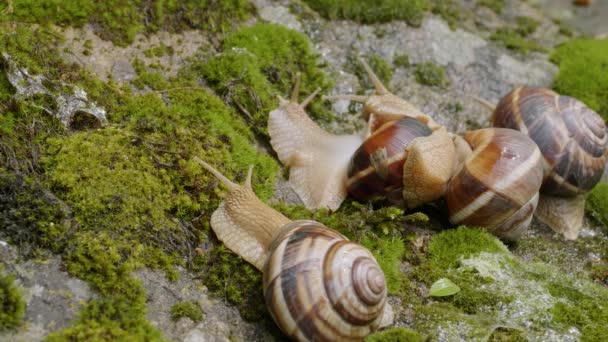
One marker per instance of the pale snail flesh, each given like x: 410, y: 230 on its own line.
x: 318, y: 285
x: 574, y: 144
x: 319, y: 161
x: 497, y: 185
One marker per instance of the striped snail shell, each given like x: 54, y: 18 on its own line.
x: 376, y: 168
x: 321, y: 287
x: 318, y: 285
x: 498, y: 183
x: 572, y: 138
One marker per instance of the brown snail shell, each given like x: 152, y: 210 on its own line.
x: 376, y: 168
x: 572, y: 138
x: 321, y: 287
x: 497, y: 185
x: 318, y: 285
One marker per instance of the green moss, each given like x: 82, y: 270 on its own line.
x: 191, y: 310
x: 449, y: 11
x: 411, y: 11
x: 446, y: 249
x: 119, y: 21
x: 526, y: 25
x: 431, y: 74
x: 158, y: 51
x: 12, y: 306
x: 259, y: 63
x: 395, y: 335
x: 381, y: 68
x: 30, y: 217
x: 513, y: 40
x: 597, y: 203
x: 583, y: 72
x: 401, y: 61
x: 228, y: 276
x: 499, y: 290
x: 495, y: 5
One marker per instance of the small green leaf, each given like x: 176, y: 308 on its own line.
x: 443, y: 287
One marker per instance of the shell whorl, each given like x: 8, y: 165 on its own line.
x: 572, y: 138
x: 320, y: 286
x: 376, y: 168
x: 497, y: 185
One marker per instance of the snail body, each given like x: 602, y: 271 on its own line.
x: 318, y: 285
x: 574, y: 144
x: 497, y: 186
x: 405, y: 152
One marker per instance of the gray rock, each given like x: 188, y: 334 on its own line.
x: 280, y: 15
x: 123, y: 71
x: 222, y: 322
x: 53, y: 298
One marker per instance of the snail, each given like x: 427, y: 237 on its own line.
x: 574, y: 144
x: 318, y: 285
x: 497, y: 186
x: 324, y: 166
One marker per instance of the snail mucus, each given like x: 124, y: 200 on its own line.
x: 574, y: 144
x: 318, y: 285
x: 405, y: 154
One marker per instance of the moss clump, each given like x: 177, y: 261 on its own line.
x: 431, y: 74
x: 380, y: 67
x: 228, y: 276
x: 395, y: 335
x: 449, y: 11
x: 446, y: 249
x: 583, y: 72
x: 119, y: 21
x: 259, y: 63
x: 12, y: 306
x: 495, y: 5
x: 191, y: 310
x: 526, y: 25
x: 411, y: 11
x: 402, y: 61
x: 597, y: 203
x: 513, y: 40
x: 30, y: 217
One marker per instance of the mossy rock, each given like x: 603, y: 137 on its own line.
x: 412, y: 11
x: 191, y: 310
x: 533, y: 300
x: 260, y: 62
x: 597, y: 204
x: 119, y: 21
x: 583, y: 72
x: 395, y: 335
x: 431, y: 74
x: 12, y: 306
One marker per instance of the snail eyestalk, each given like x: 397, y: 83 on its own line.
x: 242, y: 222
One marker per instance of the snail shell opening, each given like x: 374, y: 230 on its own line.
x: 320, y: 286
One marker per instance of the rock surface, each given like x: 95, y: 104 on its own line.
x: 475, y: 67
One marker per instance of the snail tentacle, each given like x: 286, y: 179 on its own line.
x: 244, y: 223
x: 317, y: 160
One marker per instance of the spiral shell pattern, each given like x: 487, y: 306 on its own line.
x: 572, y: 138
x: 321, y: 287
x: 376, y: 168
x: 497, y: 186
